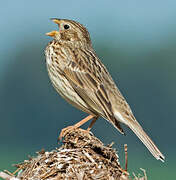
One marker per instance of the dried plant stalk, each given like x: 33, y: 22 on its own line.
x: 81, y: 157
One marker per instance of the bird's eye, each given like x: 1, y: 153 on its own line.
x: 66, y: 26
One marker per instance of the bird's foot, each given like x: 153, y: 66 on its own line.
x: 64, y: 131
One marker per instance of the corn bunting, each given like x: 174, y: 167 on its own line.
x: 80, y: 78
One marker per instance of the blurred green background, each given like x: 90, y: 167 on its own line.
x: 136, y: 40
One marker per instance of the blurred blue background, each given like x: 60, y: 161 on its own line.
x: 136, y: 40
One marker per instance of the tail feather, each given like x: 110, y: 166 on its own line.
x: 137, y: 129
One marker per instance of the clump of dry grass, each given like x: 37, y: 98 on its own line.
x: 81, y: 157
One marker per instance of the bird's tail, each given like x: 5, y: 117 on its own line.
x: 137, y: 129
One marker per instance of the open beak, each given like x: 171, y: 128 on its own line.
x: 55, y: 20
x: 54, y: 33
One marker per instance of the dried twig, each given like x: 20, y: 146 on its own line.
x: 81, y: 157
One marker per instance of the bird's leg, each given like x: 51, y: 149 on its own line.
x: 92, y: 123
x: 83, y: 121
x: 77, y: 125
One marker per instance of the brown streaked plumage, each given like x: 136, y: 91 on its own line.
x: 80, y: 78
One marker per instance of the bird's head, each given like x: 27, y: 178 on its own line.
x: 70, y: 31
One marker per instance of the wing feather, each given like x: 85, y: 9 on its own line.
x: 91, y: 87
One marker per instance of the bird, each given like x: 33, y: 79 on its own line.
x: 80, y: 77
